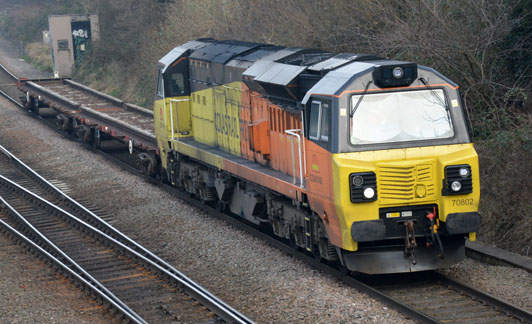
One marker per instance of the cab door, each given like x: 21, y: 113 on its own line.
x: 318, y: 137
x: 177, y: 99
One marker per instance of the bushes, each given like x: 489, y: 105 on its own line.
x: 40, y: 55
x: 506, y: 205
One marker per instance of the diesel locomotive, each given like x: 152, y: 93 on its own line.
x: 357, y: 159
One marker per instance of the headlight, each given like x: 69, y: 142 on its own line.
x: 369, y: 193
x: 464, y: 172
x: 456, y: 186
x: 357, y: 181
x: 363, y: 187
x: 458, y: 180
x: 398, y: 72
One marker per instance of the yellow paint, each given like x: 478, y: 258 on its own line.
x: 181, y: 114
x: 414, y: 166
x: 202, y: 155
x: 160, y: 130
x: 454, y: 103
x: 216, y: 116
x: 473, y: 236
x: 163, y: 115
x: 421, y: 191
x: 203, y: 117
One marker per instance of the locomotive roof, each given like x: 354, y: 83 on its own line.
x: 222, y: 51
x: 341, y: 59
x: 175, y: 53
x: 281, y: 66
x: 335, y: 81
x: 278, y: 73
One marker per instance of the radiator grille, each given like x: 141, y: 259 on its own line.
x: 406, y: 182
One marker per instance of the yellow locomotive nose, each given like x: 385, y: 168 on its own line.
x: 410, y: 184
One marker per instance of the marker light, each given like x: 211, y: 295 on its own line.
x: 398, y: 72
x: 357, y: 181
x: 369, y: 193
x: 456, y: 186
x: 464, y: 172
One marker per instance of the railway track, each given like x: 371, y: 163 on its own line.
x: 117, y: 271
x: 8, y: 85
x: 428, y: 297
x: 443, y: 300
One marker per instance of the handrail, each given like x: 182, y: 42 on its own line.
x: 293, y: 133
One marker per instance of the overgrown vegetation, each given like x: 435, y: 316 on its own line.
x: 485, y: 46
x: 40, y: 55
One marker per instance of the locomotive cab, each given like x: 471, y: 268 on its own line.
x: 404, y: 171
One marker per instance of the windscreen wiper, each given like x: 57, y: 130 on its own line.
x: 360, y: 99
x: 441, y: 102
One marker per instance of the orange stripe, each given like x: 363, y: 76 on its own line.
x: 380, y: 89
x: 177, y: 62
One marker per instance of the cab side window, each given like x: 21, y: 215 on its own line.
x: 160, y: 87
x: 314, y: 125
x: 176, y: 85
x: 325, y: 122
x: 319, y: 123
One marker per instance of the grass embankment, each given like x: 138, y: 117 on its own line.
x: 40, y: 55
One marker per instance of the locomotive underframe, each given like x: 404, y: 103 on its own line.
x: 287, y: 219
x: 297, y: 224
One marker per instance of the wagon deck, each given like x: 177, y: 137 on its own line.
x: 93, y: 109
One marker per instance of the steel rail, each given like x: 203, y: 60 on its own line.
x: 521, y: 313
x: 65, y: 269
x: 215, y: 304
x: 11, y: 99
x: 8, y: 72
x: 17, y: 217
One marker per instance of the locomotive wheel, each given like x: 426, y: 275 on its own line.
x: 316, y: 253
x: 343, y: 269
x: 201, y: 195
x: 293, y: 243
x: 221, y: 206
